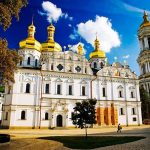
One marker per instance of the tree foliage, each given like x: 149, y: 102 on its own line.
x: 84, y: 114
x: 9, y: 9
x: 8, y: 58
x: 8, y: 62
x: 144, y: 95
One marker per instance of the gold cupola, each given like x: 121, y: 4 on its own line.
x: 97, y: 53
x: 146, y: 21
x: 80, y: 49
x: 50, y: 44
x: 30, y: 42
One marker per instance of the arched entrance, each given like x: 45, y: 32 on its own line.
x: 59, y: 121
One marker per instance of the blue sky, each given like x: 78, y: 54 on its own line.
x: 115, y: 21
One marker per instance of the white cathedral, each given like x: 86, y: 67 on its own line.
x: 49, y: 81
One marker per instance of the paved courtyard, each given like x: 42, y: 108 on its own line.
x: 26, y: 139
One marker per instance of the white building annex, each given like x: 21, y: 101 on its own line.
x: 49, y: 81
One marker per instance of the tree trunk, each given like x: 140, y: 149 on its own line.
x: 85, y: 132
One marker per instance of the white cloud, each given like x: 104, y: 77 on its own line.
x: 108, y: 37
x: 69, y: 25
x: 74, y: 35
x: 74, y: 48
x: 52, y: 12
x: 126, y: 56
x: 115, y: 58
x: 70, y: 18
x: 133, y: 8
x: 66, y: 16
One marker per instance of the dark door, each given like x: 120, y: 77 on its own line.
x: 59, y: 121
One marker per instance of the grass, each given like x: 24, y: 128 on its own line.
x: 79, y: 142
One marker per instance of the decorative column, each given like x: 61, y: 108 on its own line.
x: 101, y: 111
x: 114, y: 113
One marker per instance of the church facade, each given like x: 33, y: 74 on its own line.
x: 49, y: 81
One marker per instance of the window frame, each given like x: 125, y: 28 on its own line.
x: 23, y: 116
x: 28, y: 89
x: 70, y: 92
x: 104, y: 92
x: 46, y: 116
x: 29, y: 61
x: 36, y: 62
x: 121, y: 111
x: 133, y: 110
x: 83, y: 92
x: 60, y: 89
x: 47, y: 89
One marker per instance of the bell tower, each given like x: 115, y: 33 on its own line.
x: 144, y: 56
x: 97, y: 57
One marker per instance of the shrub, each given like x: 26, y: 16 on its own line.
x: 4, y: 138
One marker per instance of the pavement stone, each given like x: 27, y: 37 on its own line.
x: 22, y: 139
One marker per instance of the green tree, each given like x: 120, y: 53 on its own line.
x: 10, y: 9
x: 84, y: 114
x: 145, y: 99
x: 8, y: 58
x: 8, y: 62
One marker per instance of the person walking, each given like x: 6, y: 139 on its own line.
x: 119, y: 128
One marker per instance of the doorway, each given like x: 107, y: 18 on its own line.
x: 59, y: 121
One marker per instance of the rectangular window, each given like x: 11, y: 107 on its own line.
x: 47, y: 88
x: 133, y: 111
x: 46, y: 116
x: 121, y: 111
x: 149, y: 42
x: 132, y: 95
x: 134, y: 119
x: 6, y: 116
x: 143, y: 44
x: 58, y: 89
x: 104, y: 92
x: 120, y: 93
x: 83, y: 90
x: 70, y: 89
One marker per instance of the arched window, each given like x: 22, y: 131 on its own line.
x: 46, y: 116
x: 95, y: 65
x: 120, y: 91
x: 23, y: 115
x: 36, y: 61
x: 28, y: 61
x: 27, y: 88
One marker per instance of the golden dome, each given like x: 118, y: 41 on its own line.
x: 50, y: 44
x: 30, y: 42
x: 80, y: 49
x: 146, y: 21
x: 97, y: 53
